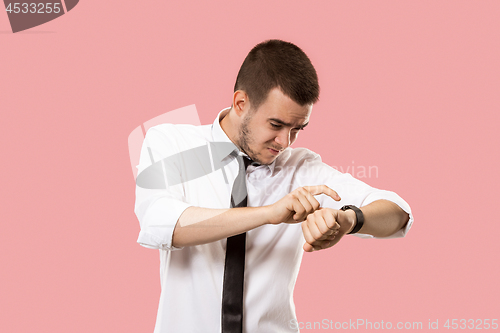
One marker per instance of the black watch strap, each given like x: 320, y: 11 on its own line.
x: 360, y: 219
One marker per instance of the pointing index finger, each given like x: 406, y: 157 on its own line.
x: 323, y: 189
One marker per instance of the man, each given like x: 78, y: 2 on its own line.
x: 295, y: 203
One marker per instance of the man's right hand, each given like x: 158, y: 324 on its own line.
x: 296, y: 205
x: 199, y: 225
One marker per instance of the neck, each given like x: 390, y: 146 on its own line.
x: 229, y: 125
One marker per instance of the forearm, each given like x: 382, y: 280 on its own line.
x: 199, y: 225
x: 383, y: 218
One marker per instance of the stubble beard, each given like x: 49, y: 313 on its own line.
x: 245, y: 139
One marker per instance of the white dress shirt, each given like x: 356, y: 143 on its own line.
x: 191, y: 277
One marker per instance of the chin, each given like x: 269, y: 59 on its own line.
x: 264, y: 157
x: 269, y: 160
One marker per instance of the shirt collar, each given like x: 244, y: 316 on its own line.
x: 219, y: 135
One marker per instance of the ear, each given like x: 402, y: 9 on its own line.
x: 241, y: 104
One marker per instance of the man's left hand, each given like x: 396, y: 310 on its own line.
x: 325, y: 227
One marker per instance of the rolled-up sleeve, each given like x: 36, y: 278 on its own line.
x: 158, y: 210
x: 393, y: 197
x: 352, y: 191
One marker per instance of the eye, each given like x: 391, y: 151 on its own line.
x: 275, y: 125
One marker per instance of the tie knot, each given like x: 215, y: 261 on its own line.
x: 246, y: 160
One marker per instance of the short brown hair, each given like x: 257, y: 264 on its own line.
x: 278, y: 64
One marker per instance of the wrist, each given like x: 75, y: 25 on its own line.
x: 266, y: 213
x: 351, y: 220
x: 358, y: 220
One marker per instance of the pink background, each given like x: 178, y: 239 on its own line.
x: 411, y: 87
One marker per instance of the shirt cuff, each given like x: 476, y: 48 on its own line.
x: 157, y: 227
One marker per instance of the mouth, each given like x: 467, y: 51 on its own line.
x: 273, y: 151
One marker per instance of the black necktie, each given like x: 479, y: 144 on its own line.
x: 234, y: 268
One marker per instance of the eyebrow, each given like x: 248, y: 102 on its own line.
x: 281, y: 122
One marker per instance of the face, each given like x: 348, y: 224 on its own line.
x: 264, y: 133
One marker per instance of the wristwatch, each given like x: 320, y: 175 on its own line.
x: 360, y: 219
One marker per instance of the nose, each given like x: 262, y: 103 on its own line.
x: 283, y: 138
